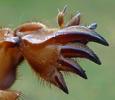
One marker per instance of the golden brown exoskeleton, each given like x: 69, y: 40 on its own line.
x: 10, y: 57
x: 49, y: 51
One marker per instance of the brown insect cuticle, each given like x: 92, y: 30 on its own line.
x: 49, y: 51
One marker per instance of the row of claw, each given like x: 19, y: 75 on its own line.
x: 49, y: 51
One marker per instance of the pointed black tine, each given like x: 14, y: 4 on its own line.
x: 61, y: 83
x: 74, y: 66
x: 79, y: 50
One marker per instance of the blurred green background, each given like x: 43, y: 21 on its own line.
x: 101, y: 79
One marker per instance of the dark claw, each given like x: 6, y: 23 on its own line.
x: 100, y: 39
x: 61, y: 84
x: 79, y: 50
x: 77, y: 34
x: 70, y: 65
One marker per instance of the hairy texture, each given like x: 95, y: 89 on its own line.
x: 49, y: 51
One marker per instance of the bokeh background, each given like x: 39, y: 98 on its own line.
x: 101, y: 79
